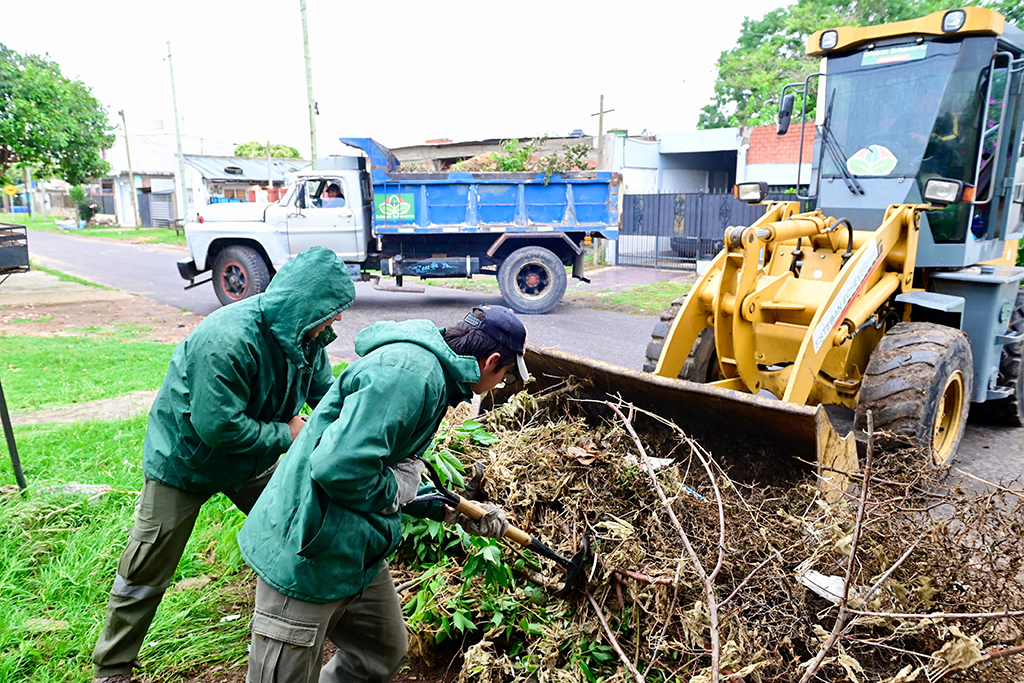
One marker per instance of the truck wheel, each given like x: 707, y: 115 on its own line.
x: 532, y: 280
x: 1009, y: 410
x: 239, y: 272
x: 918, y: 388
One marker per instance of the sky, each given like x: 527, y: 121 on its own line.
x: 400, y: 72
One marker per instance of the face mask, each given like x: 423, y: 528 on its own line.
x: 327, y: 336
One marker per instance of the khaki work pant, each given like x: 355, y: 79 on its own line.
x: 288, y: 636
x: 163, y: 523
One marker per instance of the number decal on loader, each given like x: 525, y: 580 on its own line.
x: 834, y: 314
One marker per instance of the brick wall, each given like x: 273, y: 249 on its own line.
x: 768, y: 148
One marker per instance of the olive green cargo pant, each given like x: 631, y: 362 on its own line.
x: 288, y: 636
x: 163, y: 523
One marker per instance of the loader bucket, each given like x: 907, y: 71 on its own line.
x: 757, y: 439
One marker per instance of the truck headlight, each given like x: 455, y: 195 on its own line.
x: 751, y: 193
x: 953, y: 20
x: 829, y: 39
x: 943, y: 191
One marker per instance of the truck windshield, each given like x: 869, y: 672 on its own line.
x: 885, y: 106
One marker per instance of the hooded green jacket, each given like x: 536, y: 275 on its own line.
x: 319, y: 532
x: 221, y: 414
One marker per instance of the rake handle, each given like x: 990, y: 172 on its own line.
x: 474, y: 511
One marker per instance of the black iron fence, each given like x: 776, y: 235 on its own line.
x: 674, y: 231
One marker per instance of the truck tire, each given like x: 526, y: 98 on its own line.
x: 532, y: 280
x: 1009, y: 410
x: 239, y: 272
x: 918, y: 388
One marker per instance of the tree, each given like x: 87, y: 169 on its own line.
x: 770, y: 52
x: 49, y: 121
x: 255, y: 149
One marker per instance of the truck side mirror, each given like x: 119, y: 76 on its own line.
x: 785, y: 113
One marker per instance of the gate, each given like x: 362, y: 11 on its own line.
x: 674, y: 231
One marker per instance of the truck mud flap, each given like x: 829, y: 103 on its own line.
x: 757, y: 439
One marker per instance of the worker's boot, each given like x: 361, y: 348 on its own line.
x: 116, y: 678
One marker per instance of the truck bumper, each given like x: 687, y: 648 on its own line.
x: 187, y: 269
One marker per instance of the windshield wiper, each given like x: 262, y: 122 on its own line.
x: 835, y: 151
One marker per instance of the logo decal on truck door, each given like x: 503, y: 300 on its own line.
x: 394, y: 208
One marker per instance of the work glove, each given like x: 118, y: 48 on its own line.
x: 492, y: 525
x: 408, y: 475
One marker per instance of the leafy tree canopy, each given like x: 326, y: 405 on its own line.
x: 255, y: 149
x: 49, y: 121
x: 770, y: 51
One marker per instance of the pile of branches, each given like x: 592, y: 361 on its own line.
x: 695, y: 577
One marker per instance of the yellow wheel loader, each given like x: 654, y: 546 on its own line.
x: 897, y: 294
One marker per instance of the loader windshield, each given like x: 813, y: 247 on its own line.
x: 885, y: 107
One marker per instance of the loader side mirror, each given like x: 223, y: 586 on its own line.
x: 751, y: 193
x: 785, y: 113
x: 945, y: 191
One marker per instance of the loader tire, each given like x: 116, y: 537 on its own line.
x: 238, y: 273
x: 701, y: 364
x: 918, y: 388
x: 1009, y: 410
x: 659, y: 334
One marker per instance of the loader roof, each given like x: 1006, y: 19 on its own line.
x: 976, y: 21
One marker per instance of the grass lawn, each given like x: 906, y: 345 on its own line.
x: 47, y: 372
x: 148, y: 235
x: 59, y: 555
x: 649, y: 299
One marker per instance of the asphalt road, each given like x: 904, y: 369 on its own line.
x: 150, y: 271
x: 988, y: 452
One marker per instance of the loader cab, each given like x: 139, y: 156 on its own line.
x: 898, y: 110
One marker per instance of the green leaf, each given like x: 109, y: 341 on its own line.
x: 463, y: 622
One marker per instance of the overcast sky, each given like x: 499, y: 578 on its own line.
x: 401, y: 72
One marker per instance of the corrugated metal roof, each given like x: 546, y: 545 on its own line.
x: 244, y: 169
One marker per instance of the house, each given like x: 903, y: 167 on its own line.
x: 218, y: 179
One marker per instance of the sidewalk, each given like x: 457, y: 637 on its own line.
x: 36, y: 288
x: 617, y: 278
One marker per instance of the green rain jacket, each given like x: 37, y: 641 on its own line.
x: 221, y: 414
x: 319, y: 532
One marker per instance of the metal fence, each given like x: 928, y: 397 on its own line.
x: 674, y: 231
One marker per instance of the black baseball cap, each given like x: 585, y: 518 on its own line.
x: 503, y: 326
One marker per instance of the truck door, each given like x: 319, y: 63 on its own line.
x: 322, y: 216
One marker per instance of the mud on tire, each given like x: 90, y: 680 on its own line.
x: 911, y: 382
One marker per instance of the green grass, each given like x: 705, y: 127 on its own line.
x: 58, y: 557
x: 486, y: 284
x: 40, y: 319
x: 64, y: 277
x: 148, y: 235
x: 649, y: 299
x: 46, y: 372
x: 35, y: 222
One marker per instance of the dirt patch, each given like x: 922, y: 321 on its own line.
x: 134, y: 316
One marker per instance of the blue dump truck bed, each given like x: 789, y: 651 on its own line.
x: 496, y: 202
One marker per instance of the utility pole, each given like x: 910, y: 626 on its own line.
x: 270, y: 172
x: 177, y: 133
x: 309, y: 83
x: 28, y: 191
x: 600, y: 122
x: 131, y: 173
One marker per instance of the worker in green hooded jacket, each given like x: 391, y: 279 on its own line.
x: 226, y: 411
x: 318, y: 537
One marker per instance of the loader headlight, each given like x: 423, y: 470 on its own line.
x: 953, y: 20
x: 828, y: 40
x: 751, y: 193
x: 943, y: 191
